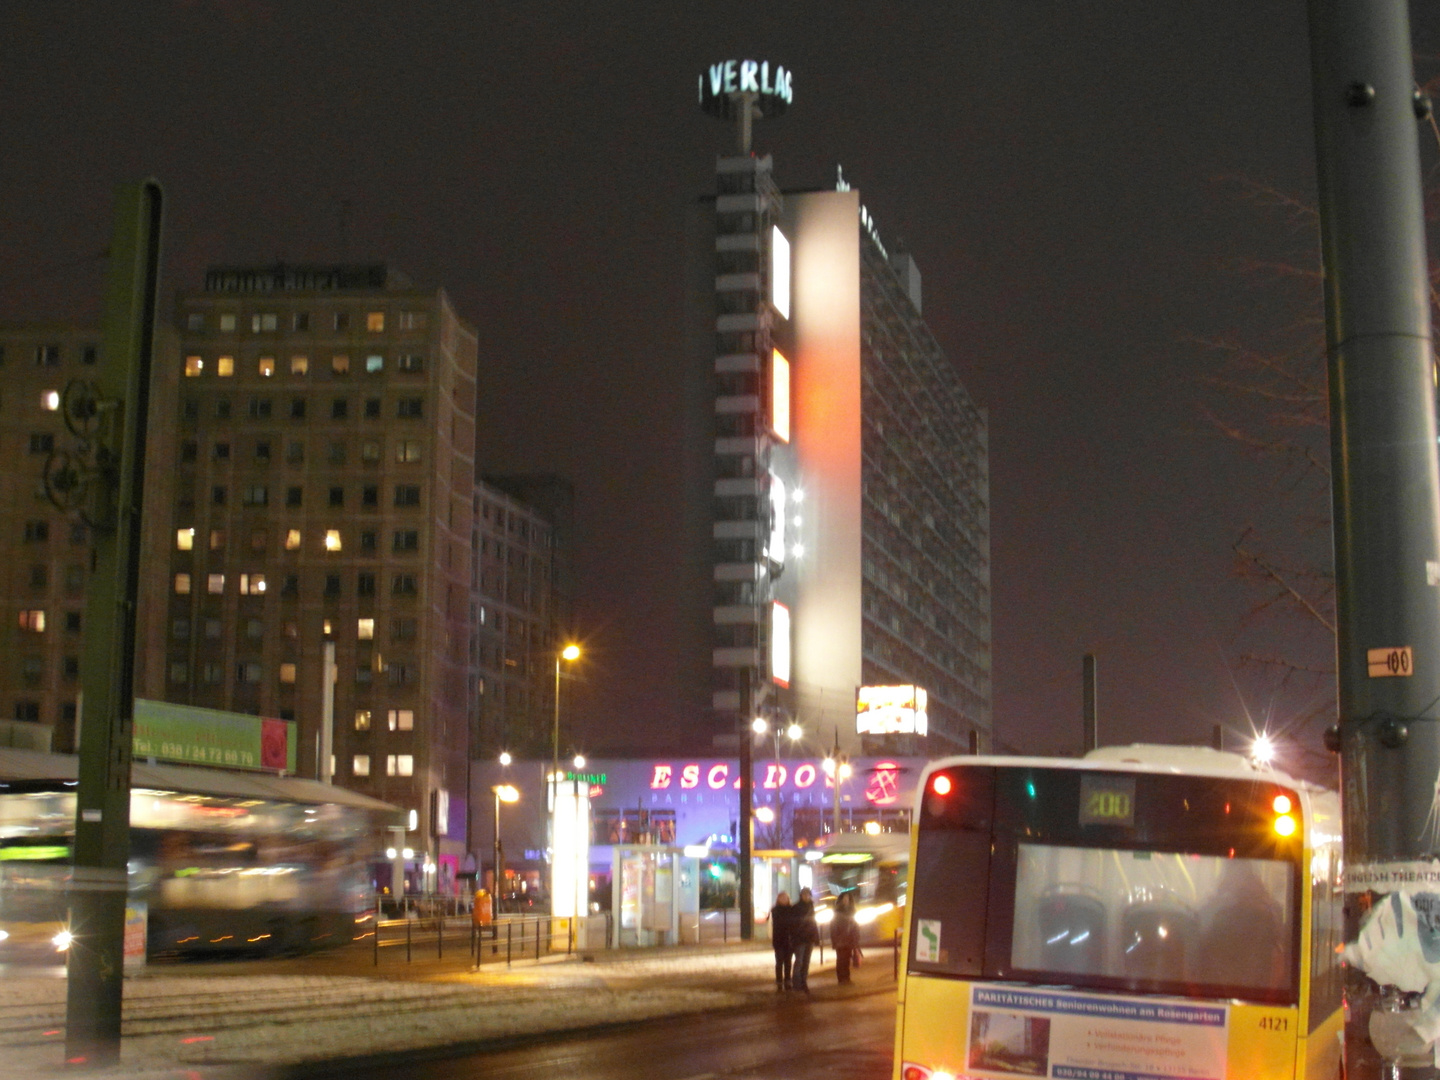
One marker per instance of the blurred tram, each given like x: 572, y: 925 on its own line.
x: 874, y: 870
x: 223, y: 862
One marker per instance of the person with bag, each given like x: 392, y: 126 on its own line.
x: 806, y: 935
x: 845, y: 937
x: 782, y: 937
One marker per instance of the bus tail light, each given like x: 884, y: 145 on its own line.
x: 942, y: 784
x: 1285, y: 825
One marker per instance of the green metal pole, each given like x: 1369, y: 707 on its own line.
x: 102, y: 820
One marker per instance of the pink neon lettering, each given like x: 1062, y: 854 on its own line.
x: 774, y: 776
x: 660, y: 778
x: 805, y: 776
x: 690, y: 776
x: 717, y: 776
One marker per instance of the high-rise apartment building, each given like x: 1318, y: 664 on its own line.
x: 322, y: 493
x: 846, y: 482
x: 520, y: 614
x: 45, y: 549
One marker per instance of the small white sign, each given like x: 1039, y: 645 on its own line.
x: 1391, y: 663
x: 89, y: 815
x: 927, y: 941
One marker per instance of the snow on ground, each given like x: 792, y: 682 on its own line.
x: 199, y: 1026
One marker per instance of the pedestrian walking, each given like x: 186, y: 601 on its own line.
x: 782, y: 938
x: 806, y: 935
x: 845, y: 937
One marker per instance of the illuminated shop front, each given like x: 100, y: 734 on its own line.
x: 694, y: 801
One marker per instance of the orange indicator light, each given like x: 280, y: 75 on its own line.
x: 1285, y: 825
x: 1282, y: 804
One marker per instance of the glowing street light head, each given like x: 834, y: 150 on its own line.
x: 1262, y: 750
x: 505, y: 757
x: 758, y: 725
x: 570, y: 652
x: 507, y: 793
x: 764, y: 815
x: 579, y: 761
x: 794, y: 732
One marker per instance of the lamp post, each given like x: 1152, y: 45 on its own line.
x: 794, y: 732
x: 503, y: 793
x: 570, y: 653
x: 837, y: 766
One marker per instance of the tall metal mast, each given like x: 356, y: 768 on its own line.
x: 1386, y: 492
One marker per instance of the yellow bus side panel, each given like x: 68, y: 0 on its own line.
x: 933, y: 1026
x: 1263, y: 1042
x: 1321, y: 1049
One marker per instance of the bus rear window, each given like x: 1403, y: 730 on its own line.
x: 1180, y: 923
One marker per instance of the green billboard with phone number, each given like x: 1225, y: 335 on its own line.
x: 191, y: 736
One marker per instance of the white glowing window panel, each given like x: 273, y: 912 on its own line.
x: 570, y: 826
x: 780, y: 643
x: 779, y: 272
x: 779, y: 395
x: 892, y: 710
x: 775, y: 551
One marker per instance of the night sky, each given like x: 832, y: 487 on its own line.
x: 1071, y: 178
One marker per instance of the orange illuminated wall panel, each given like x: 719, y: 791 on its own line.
x: 780, y: 395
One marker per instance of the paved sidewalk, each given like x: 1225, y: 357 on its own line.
x: 246, y: 1020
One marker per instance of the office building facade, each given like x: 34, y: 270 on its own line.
x: 848, y: 530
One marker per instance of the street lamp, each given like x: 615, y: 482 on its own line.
x: 569, y: 653
x: 503, y: 793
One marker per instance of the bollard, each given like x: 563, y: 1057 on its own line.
x: 548, y: 931
x: 508, y: 925
x: 407, y: 938
x: 896, y: 973
x: 440, y: 938
x: 377, y: 942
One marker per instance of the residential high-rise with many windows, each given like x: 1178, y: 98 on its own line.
x: 322, y: 494
x: 45, y: 551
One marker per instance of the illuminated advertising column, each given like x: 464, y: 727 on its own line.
x: 570, y: 866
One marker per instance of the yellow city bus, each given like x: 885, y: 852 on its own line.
x: 873, y: 869
x: 1144, y: 912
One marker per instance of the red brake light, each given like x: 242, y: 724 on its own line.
x: 941, y: 785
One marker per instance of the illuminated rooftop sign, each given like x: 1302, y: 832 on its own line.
x: 779, y: 395
x: 780, y: 643
x: 891, y: 710
x: 779, y: 272
x: 720, y: 85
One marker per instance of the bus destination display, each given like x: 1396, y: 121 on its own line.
x: 1107, y: 800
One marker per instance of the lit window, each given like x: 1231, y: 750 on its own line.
x: 217, y: 539
x: 224, y: 366
x: 50, y: 400
x: 401, y: 719
x: 779, y: 395
x: 267, y: 365
x: 360, y: 765
x: 780, y: 272
x: 299, y: 365
x: 374, y: 362
x: 400, y: 765
x: 375, y: 321
x: 194, y: 365
x: 340, y: 365
x: 362, y: 719
x: 227, y: 323
x: 184, y: 539
x: 292, y: 539
x: 214, y: 583
x: 287, y: 673
x: 332, y: 539
x: 252, y: 584
x: 33, y: 621
x: 365, y: 629
x: 182, y: 584
x: 407, y: 450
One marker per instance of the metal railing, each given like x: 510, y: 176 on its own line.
x: 507, y: 938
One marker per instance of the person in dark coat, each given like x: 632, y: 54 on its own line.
x: 782, y: 936
x: 844, y: 936
x: 806, y: 935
